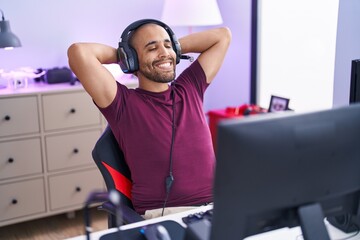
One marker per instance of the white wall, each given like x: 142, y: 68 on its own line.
x: 347, y: 49
x: 296, y: 52
x: 305, y: 51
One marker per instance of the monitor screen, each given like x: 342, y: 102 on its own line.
x: 355, y: 81
x: 270, y: 166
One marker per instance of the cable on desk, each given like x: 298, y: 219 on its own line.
x: 345, y: 238
x: 349, y: 237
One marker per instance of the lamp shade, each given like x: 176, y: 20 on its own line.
x: 191, y: 13
x: 7, y: 38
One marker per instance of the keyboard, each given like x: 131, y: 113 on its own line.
x: 191, y: 218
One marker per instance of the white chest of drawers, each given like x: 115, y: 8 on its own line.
x: 47, y: 133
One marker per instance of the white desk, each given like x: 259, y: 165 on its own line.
x: 280, y: 234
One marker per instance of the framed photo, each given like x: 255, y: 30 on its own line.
x: 278, y: 104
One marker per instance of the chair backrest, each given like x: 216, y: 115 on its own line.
x: 111, y: 162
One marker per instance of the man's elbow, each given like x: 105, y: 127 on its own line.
x: 75, y: 53
x: 226, y: 35
x: 74, y: 50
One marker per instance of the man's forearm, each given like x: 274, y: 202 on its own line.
x: 85, y: 60
x: 103, y: 53
x: 212, y: 45
x: 202, y: 41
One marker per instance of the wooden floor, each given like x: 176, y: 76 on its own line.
x: 55, y: 227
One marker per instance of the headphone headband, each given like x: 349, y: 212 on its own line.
x: 127, y: 55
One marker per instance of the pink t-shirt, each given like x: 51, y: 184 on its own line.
x: 142, y: 124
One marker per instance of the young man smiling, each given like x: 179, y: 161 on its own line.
x: 160, y: 126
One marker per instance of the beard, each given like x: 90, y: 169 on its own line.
x: 156, y: 75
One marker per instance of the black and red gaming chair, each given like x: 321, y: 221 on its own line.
x: 111, y: 162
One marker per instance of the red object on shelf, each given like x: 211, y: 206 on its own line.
x: 215, y: 116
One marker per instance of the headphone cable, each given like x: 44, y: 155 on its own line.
x: 170, y: 179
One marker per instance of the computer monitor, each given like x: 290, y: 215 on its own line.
x: 286, y: 169
x: 355, y: 81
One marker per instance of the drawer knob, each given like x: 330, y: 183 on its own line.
x: 10, y: 160
x: 73, y: 110
x: 7, y: 118
x: 14, y: 201
x: 75, y: 150
x: 78, y: 189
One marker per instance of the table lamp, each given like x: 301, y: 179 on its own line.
x: 8, y: 40
x: 191, y: 13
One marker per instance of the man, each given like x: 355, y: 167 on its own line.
x: 160, y: 127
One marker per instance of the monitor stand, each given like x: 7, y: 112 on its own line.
x: 312, y: 222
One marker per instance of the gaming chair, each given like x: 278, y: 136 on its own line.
x: 110, y: 160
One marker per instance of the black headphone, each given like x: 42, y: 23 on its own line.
x: 127, y: 56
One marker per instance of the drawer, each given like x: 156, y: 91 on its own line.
x: 18, y: 116
x: 20, y: 157
x: 22, y: 199
x: 72, y: 189
x: 68, y: 110
x: 70, y: 150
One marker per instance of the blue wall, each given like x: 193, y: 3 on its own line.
x: 47, y: 27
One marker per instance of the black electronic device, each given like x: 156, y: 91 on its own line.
x: 127, y: 55
x: 346, y: 222
x: 355, y: 81
x: 199, y: 216
x: 155, y: 232
x: 198, y: 230
x: 198, y: 225
x: 56, y: 75
x: 59, y: 75
x: 286, y: 169
x: 99, y: 196
x: 175, y: 232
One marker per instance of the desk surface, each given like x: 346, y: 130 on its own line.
x: 280, y: 234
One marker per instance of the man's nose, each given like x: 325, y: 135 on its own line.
x: 163, y: 51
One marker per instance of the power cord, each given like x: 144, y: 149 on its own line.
x: 300, y: 237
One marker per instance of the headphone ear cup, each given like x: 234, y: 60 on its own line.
x: 127, y: 57
x: 176, y: 45
x: 134, y: 62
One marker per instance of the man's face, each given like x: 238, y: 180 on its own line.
x: 155, y: 53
